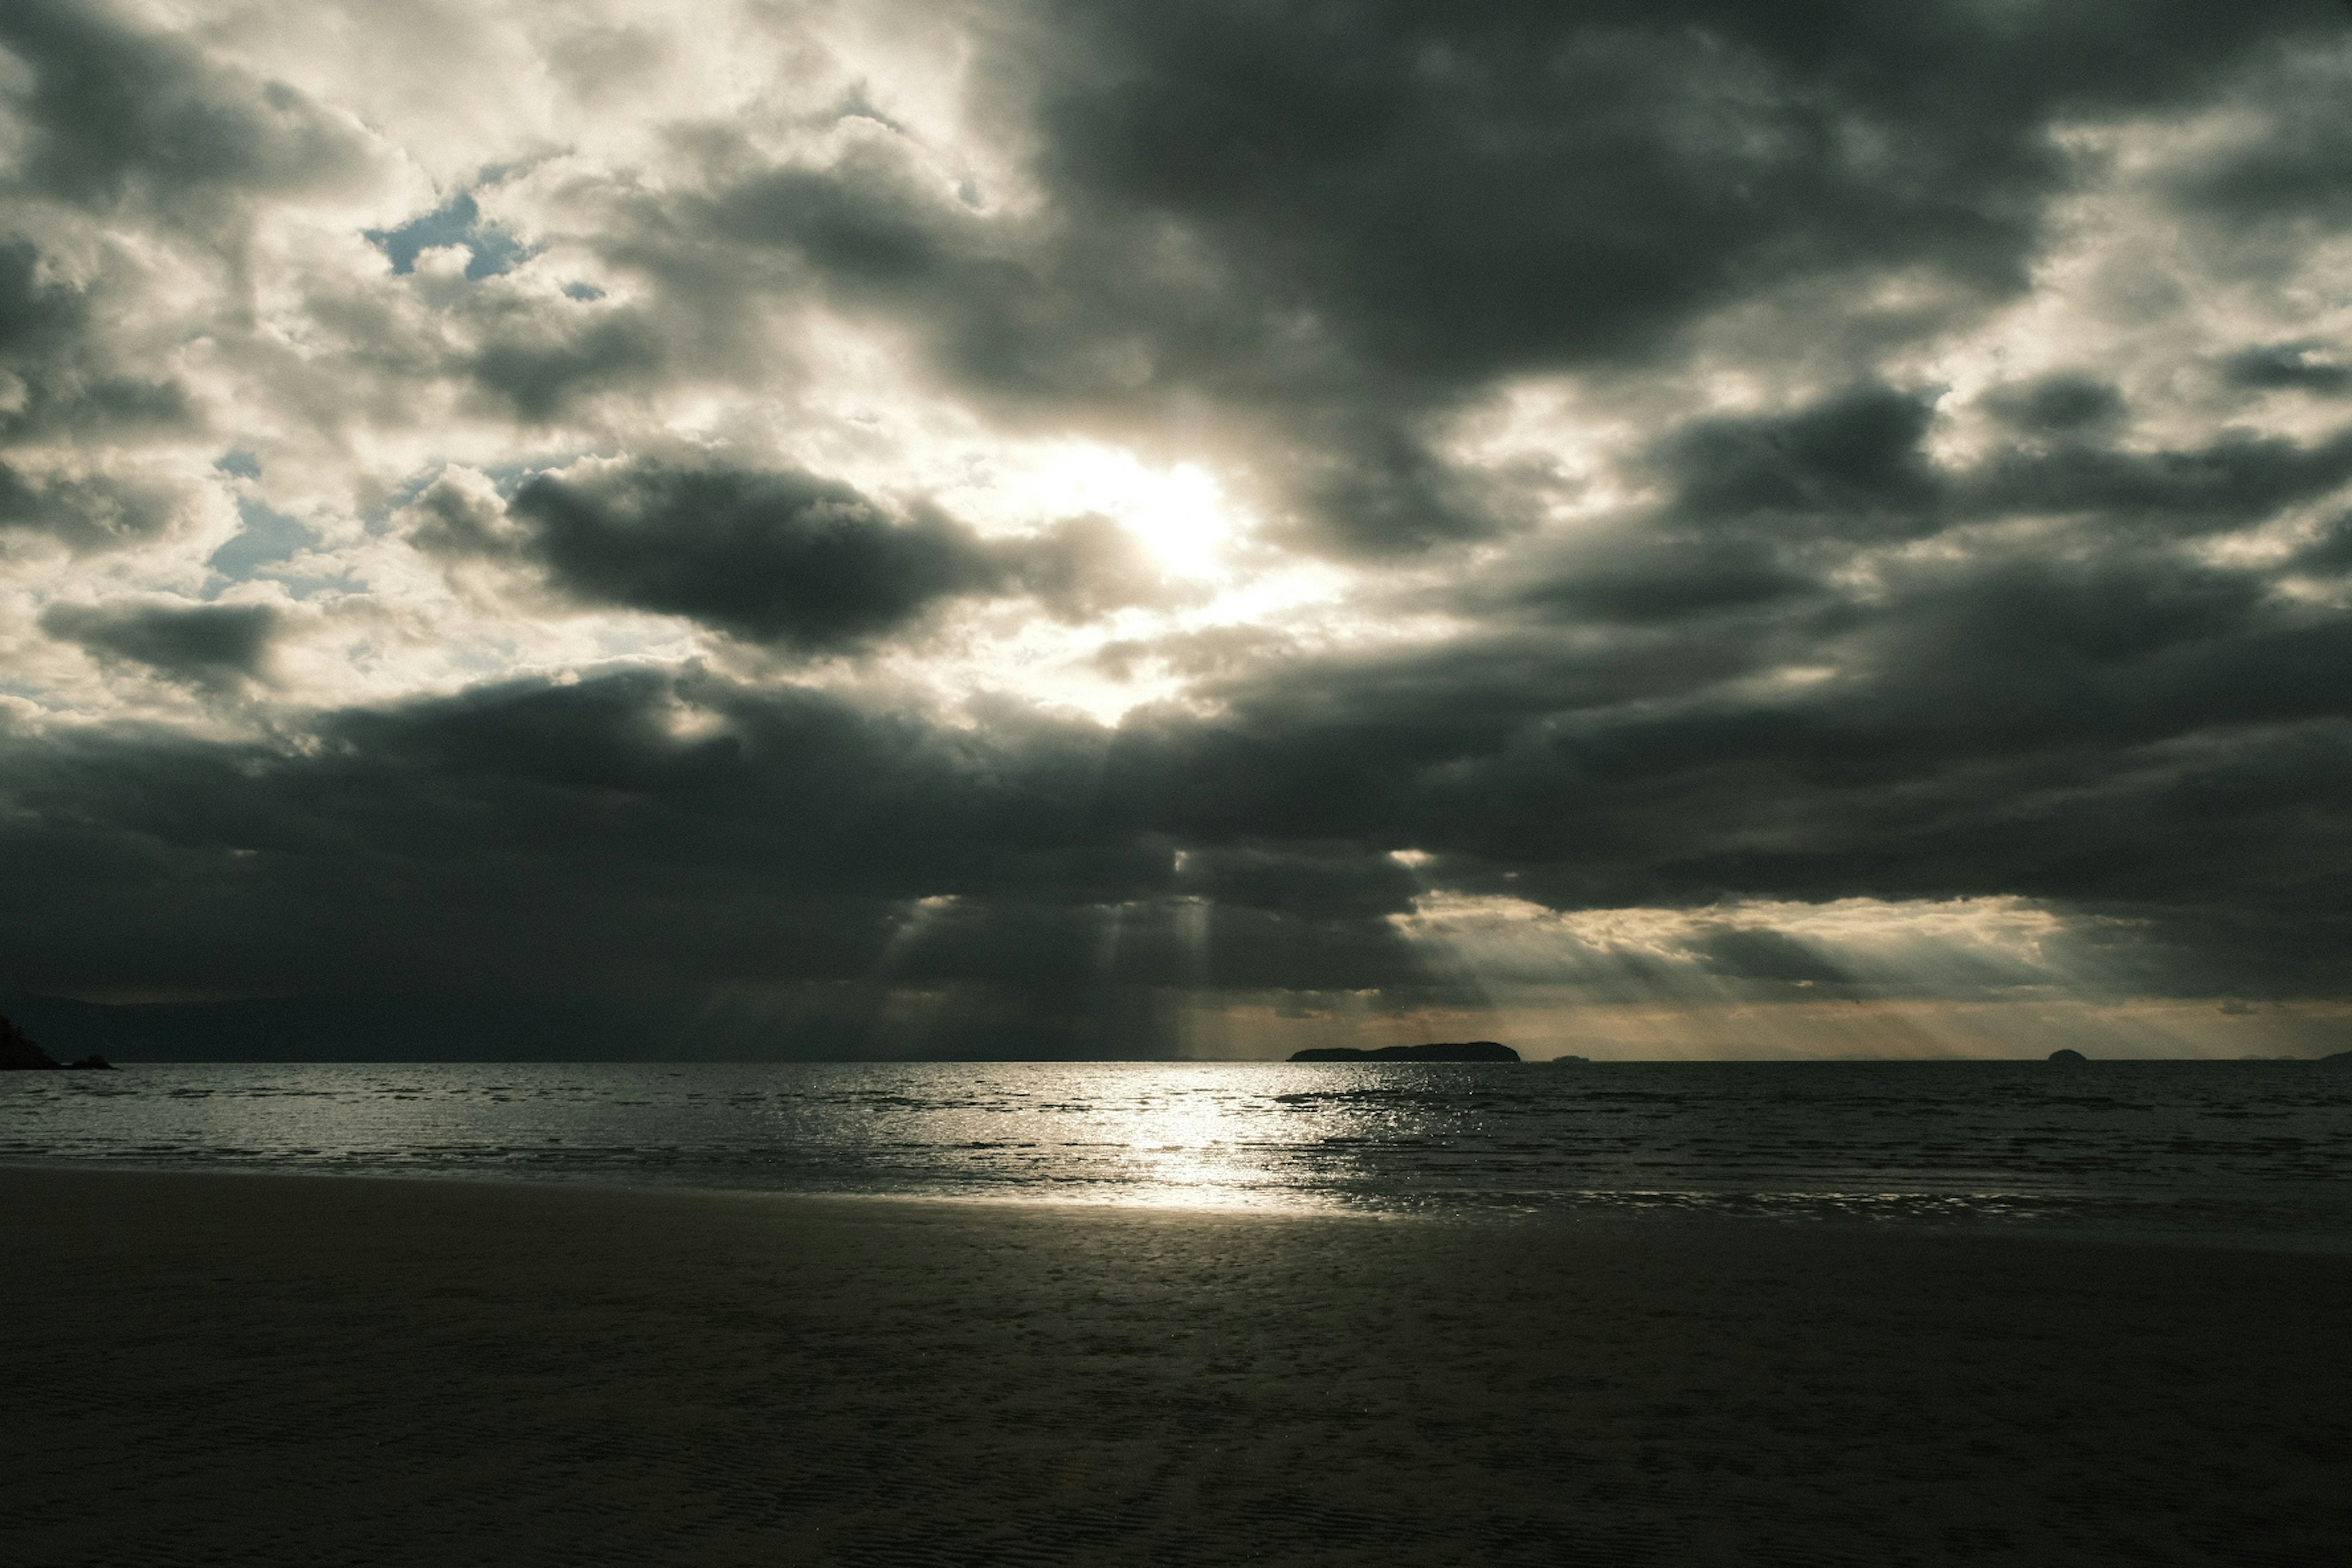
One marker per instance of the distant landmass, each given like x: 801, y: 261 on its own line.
x: 1459, y: 1051
x: 19, y: 1054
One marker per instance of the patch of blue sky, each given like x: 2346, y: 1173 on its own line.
x: 269, y: 539
x: 490, y: 249
x: 266, y: 536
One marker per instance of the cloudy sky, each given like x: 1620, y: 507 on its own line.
x: 1687, y: 528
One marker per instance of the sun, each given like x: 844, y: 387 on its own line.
x: 1179, y: 513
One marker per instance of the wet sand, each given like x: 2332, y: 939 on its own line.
x: 258, y: 1370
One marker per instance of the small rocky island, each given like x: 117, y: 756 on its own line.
x: 18, y: 1053
x: 2064, y: 1054
x: 1461, y: 1051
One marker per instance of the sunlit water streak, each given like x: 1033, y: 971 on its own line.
x: 2251, y: 1148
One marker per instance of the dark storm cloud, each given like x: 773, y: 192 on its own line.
x: 2153, y: 741
x: 1468, y: 190
x: 2284, y: 181
x: 1761, y: 510
x: 779, y: 556
x: 1313, y: 234
x: 2092, y: 719
x: 2059, y: 404
x: 119, y: 115
x: 2305, y: 366
x: 1335, y: 879
x: 202, y: 644
x: 1335, y: 225
x: 1850, y: 466
x: 864, y: 224
x: 690, y: 831
x: 777, y: 835
x: 2237, y: 480
x: 2330, y: 553
x: 541, y: 367
x: 1758, y: 955
x: 101, y: 512
x: 1813, y: 655
x: 65, y: 384
x: 38, y: 315
x: 533, y: 835
x: 1645, y: 574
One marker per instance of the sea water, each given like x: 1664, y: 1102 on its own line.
x: 2252, y: 1149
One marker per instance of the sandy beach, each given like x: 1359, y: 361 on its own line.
x: 270, y: 1370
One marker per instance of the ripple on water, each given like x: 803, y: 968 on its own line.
x: 2221, y: 1147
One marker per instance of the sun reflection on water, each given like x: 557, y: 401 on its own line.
x: 2250, y: 1144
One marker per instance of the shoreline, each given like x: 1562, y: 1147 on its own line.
x: 1600, y: 1209
x: 276, y: 1368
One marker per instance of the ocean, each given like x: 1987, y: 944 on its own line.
x: 2254, y: 1151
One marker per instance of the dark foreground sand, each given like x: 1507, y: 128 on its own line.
x: 249, y: 1369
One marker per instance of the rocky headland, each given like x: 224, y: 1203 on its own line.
x: 19, y: 1054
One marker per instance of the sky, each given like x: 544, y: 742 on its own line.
x: 1685, y: 528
